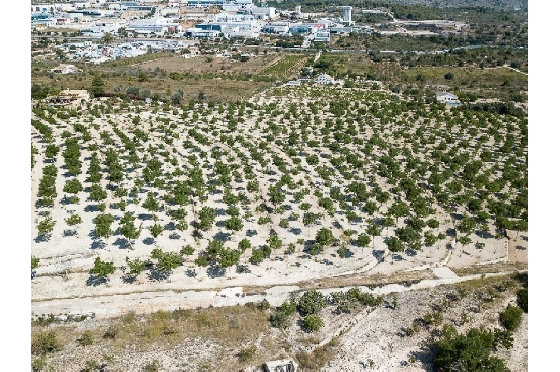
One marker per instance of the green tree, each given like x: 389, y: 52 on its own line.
x: 325, y: 237
x: 156, y: 230
x: 73, y: 186
x: 103, y: 223
x: 97, y: 87
x: 151, y: 203
x: 466, y: 352
x: 135, y: 266
x: 206, y: 216
x: 107, y: 38
x: 102, y: 268
x: 45, y: 226
x: 234, y: 224
x: 74, y: 219
x: 277, y: 196
x: 312, y: 323
x: 244, y: 244
x: 52, y: 150
x: 398, y: 209
x: 128, y: 230
x: 311, y: 302
x: 363, y: 241
x: 97, y: 193
x: 167, y: 261
x: 34, y: 262
x: 257, y: 256
x: 395, y: 244
x: 229, y: 258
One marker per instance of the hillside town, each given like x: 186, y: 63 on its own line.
x: 93, y: 25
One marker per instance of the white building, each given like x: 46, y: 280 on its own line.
x: 264, y: 13
x: 323, y: 36
x: 447, y: 98
x: 281, y: 28
x: 347, y: 15
x: 324, y: 79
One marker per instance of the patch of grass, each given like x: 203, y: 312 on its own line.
x: 86, y: 338
x: 247, y: 353
x: 319, y: 357
x: 152, y: 366
x: 45, y: 342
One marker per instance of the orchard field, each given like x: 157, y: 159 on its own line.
x: 294, y: 184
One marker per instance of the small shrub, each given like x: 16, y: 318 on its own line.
x: 264, y: 305
x: 91, y: 366
x: 511, y: 317
x: 289, y: 307
x: 312, y: 323
x: 152, y: 366
x: 279, y: 319
x: 86, y: 338
x: 38, y: 364
x: 111, y: 332
x: 523, y: 299
x: 45, y: 342
x: 247, y: 353
x: 312, y: 302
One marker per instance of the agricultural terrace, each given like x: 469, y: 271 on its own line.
x: 287, y: 66
x: 294, y: 184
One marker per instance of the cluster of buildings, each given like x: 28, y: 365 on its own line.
x: 238, y: 19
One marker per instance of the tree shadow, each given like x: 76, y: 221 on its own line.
x: 145, y: 216
x: 69, y: 232
x: 451, y: 232
x: 191, y: 273
x: 251, y: 232
x: 410, y: 252
x: 457, y: 216
x: 307, y: 245
x: 214, y: 271
x: 174, y: 236
x: 95, y: 280
x: 42, y: 238
x: 520, y: 247
x: 98, y: 244
x: 220, y: 212
x: 129, y: 278
x: 242, y: 269
x: 122, y: 243
x: 483, y: 234
x: 221, y: 223
x: 221, y: 236
x: 378, y: 254
x: 397, y: 257
x: 149, y: 240
x: 91, y: 208
x: 337, y: 225
x: 295, y: 230
x: 157, y: 275
x: 169, y: 226
x: 425, y: 356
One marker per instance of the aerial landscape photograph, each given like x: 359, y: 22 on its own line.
x: 278, y: 186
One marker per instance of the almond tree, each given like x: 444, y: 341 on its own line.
x: 102, y: 268
x: 128, y: 229
x: 103, y: 223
